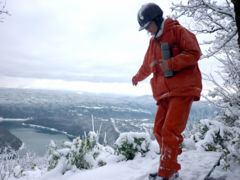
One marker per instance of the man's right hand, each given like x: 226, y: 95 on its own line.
x: 134, y: 80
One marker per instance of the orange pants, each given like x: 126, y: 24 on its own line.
x: 170, y: 122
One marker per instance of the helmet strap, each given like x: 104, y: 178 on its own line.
x: 158, y: 20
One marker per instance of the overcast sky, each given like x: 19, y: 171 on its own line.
x: 90, y: 45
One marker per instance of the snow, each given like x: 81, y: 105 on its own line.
x: 17, y: 171
x: 115, y: 108
x: 195, y: 165
x: 43, y: 127
x: 15, y: 119
x: 195, y: 161
x: 130, y: 137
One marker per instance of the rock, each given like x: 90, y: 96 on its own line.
x: 8, y: 140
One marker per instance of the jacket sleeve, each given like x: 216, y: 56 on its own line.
x: 145, y: 69
x: 189, y: 47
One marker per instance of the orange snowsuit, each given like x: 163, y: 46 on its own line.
x: 174, y: 95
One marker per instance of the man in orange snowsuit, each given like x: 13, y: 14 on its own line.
x: 174, y: 95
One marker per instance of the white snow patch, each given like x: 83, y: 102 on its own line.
x: 15, y: 119
x: 195, y: 165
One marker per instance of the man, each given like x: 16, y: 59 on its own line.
x: 174, y: 95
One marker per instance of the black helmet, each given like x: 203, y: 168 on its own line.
x: 147, y: 13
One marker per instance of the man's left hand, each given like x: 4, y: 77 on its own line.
x: 164, y: 65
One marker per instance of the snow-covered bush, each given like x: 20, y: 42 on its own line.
x: 86, y: 152
x: 15, y: 163
x: 132, y: 143
x: 18, y: 171
x: 213, y: 135
x: 6, y: 164
x: 82, y: 153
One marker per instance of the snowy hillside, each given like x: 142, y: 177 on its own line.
x: 134, y: 156
x: 71, y: 112
x: 130, y: 156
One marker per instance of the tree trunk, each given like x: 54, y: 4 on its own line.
x: 237, y: 18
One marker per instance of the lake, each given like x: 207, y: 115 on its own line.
x: 37, y: 140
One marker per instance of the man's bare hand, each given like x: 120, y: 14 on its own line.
x: 134, y: 80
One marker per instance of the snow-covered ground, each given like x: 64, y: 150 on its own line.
x: 195, y: 166
x: 196, y: 160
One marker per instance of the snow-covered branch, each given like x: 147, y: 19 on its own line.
x: 218, y: 21
x: 3, y: 10
x: 210, y: 17
x: 218, y: 9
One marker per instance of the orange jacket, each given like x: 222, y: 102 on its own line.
x: 187, y: 81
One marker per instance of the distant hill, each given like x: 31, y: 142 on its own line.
x: 72, y: 112
x: 8, y: 140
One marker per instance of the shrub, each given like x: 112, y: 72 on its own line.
x: 215, y: 136
x: 16, y: 163
x: 130, y: 144
x: 82, y: 153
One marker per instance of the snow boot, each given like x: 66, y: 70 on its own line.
x: 154, y: 176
